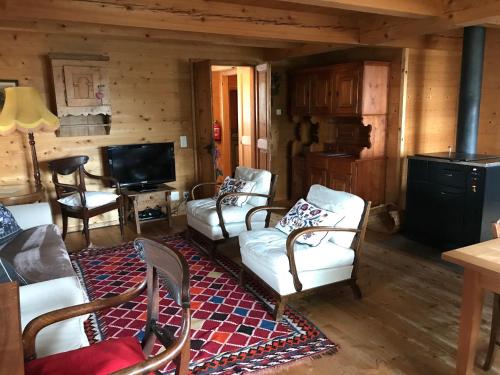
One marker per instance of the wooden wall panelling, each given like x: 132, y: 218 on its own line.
x: 150, y: 84
x: 263, y: 116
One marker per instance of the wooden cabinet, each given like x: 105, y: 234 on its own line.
x: 343, y: 90
x: 365, y: 178
x: 347, y: 78
x: 300, y: 94
x: 321, y: 83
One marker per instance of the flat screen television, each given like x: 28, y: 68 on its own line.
x: 141, y: 166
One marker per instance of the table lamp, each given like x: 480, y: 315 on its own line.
x: 25, y: 111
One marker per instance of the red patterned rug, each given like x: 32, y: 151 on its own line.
x: 232, y: 328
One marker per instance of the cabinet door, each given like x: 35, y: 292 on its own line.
x: 321, y: 92
x: 340, y: 182
x: 298, y: 177
x: 317, y: 176
x: 300, y: 94
x: 346, y: 101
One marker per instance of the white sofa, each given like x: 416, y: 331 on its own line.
x: 56, y: 288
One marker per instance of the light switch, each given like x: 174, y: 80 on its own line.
x: 278, y: 112
x: 184, y: 141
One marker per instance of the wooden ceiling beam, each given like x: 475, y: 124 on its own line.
x: 194, y: 16
x: 400, y: 8
x: 303, y: 50
x: 87, y: 29
x: 458, y: 14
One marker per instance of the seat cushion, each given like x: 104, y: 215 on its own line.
x: 348, y: 205
x: 262, y: 179
x: 39, y: 298
x: 93, y: 199
x: 205, y: 211
x: 39, y: 254
x: 268, y: 248
x: 214, y: 232
x: 102, y: 358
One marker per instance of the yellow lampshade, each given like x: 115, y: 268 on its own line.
x: 25, y: 111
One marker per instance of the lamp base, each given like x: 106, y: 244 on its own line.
x: 36, y: 168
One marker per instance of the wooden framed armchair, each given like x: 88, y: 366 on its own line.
x: 125, y: 355
x: 75, y: 201
x: 288, y: 268
x: 210, y: 222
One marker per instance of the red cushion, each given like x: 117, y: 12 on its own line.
x: 102, y: 358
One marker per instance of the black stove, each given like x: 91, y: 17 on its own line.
x: 458, y: 156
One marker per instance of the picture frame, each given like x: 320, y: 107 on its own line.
x: 3, y: 84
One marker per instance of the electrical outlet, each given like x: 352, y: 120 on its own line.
x: 186, y: 195
x: 174, y: 195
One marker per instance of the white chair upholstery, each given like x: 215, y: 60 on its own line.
x: 264, y: 252
x: 202, y: 215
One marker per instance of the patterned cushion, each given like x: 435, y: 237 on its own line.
x: 233, y: 185
x: 8, y: 225
x: 8, y: 273
x: 305, y: 214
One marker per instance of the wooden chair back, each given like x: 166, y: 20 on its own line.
x: 66, y: 166
x: 164, y: 264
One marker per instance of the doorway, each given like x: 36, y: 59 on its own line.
x: 231, y: 118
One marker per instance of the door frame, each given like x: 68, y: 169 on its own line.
x: 253, y: 63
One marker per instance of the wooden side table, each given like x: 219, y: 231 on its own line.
x: 136, y: 201
x: 21, y: 194
x: 11, y: 341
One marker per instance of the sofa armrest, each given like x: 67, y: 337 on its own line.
x: 32, y: 215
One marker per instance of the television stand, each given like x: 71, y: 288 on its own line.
x: 139, y: 200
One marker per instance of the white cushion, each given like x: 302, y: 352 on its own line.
x: 261, y: 177
x: 264, y: 252
x: 235, y: 185
x: 304, y: 214
x: 205, y: 211
x: 214, y: 232
x: 93, y: 199
x: 32, y: 214
x: 268, y: 246
x: 38, y: 298
x: 349, y: 205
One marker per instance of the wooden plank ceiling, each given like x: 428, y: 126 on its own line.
x: 283, y: 28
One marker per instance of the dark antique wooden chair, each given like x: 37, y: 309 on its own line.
x: 288, y: 269
x: 84, y: 204
x: 495, y: 316
x: 163, y: 264
x: 211, y: 223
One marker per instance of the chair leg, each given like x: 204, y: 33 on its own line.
x: 86, y: 231
x: 495, y: 323
x: 355, y: 290
x: 120, y: 219
x: 65, y: 226
x: 241, y: 278
x: 182, y: 360
x: 279, y: 308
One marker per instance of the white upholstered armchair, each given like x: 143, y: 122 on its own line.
x: 287, y: 267
x: 211, y: 222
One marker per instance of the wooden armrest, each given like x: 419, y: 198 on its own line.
x: 248, y: 218
x: 202, y: 184
x: 35, y: 325
x: 218, y: 207
x: 292, y: 238
x: 104, y: 178
x: 75, y: 189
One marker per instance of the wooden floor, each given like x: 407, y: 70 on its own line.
x: 406, y: 322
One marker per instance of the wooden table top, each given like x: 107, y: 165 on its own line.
x: 482, y: 257
x: 11, y: 347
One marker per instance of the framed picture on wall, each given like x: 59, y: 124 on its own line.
x: 3, y: 84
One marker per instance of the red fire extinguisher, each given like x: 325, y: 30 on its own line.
x: 217, y: 131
